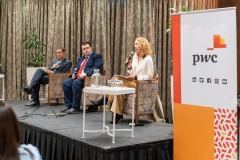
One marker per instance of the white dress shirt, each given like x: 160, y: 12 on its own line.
x: 143, y: 69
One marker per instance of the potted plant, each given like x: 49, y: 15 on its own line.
x: 37, y: 58
x: 35, y: 45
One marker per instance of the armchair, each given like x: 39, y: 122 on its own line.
x: 146, y: 96
x: 52, y: 90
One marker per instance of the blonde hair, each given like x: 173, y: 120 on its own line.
x: 145, y: 45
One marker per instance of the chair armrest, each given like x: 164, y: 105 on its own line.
x: 87, y: 80
x: 55, y: 85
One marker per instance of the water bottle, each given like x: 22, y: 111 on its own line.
x: 96, y: 79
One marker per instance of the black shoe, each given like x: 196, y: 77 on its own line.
x: 64, y: 110
x: 33, y: 103
x: 73, y: 111
x: 118, y: 118
x: 100, y: 101
x: 92, y: 108
x: 28, y: 90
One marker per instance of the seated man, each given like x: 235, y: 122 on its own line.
x: 73, y: 86
x: 59, y: 65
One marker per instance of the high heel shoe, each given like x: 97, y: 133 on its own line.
x: 118, y: 118
x: 100, y: 101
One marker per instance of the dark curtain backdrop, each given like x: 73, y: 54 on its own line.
x: 111, y: 26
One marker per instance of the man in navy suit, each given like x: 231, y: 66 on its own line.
x: 73, y: 86
x: 59, y: 65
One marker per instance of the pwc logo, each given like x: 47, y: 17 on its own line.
x: 218, y: 42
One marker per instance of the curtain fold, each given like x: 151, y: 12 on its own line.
x: 110, y: 25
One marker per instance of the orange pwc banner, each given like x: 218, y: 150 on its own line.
x: 204, y: 52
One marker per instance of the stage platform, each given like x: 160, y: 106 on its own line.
x: 61, y: 138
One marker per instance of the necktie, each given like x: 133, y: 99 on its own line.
x: 81, y: 67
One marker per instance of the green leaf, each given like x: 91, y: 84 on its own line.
x: 29, y: 46
x: 168, y: 30
x: 35, y: 46
x: 24, y: 39
x: 185, y: 9
x: 173, y: 9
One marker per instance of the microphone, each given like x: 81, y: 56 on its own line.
x: 129, y: 58
x: 58, y: 63
x: 75, y: 71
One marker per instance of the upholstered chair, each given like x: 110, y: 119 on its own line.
x: 146, y: 96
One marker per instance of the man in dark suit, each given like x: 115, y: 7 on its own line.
x: 59, y: 65
x: 73, y: 86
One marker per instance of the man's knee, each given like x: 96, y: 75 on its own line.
x: 66, y: 83
x: 77, y: 84
x: 40, y: 70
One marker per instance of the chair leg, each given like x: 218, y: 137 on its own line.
x: 136, y: 119
x: 154, y: 119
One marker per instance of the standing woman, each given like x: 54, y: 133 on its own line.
x: 10, y: 148
x: 140, y: 67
